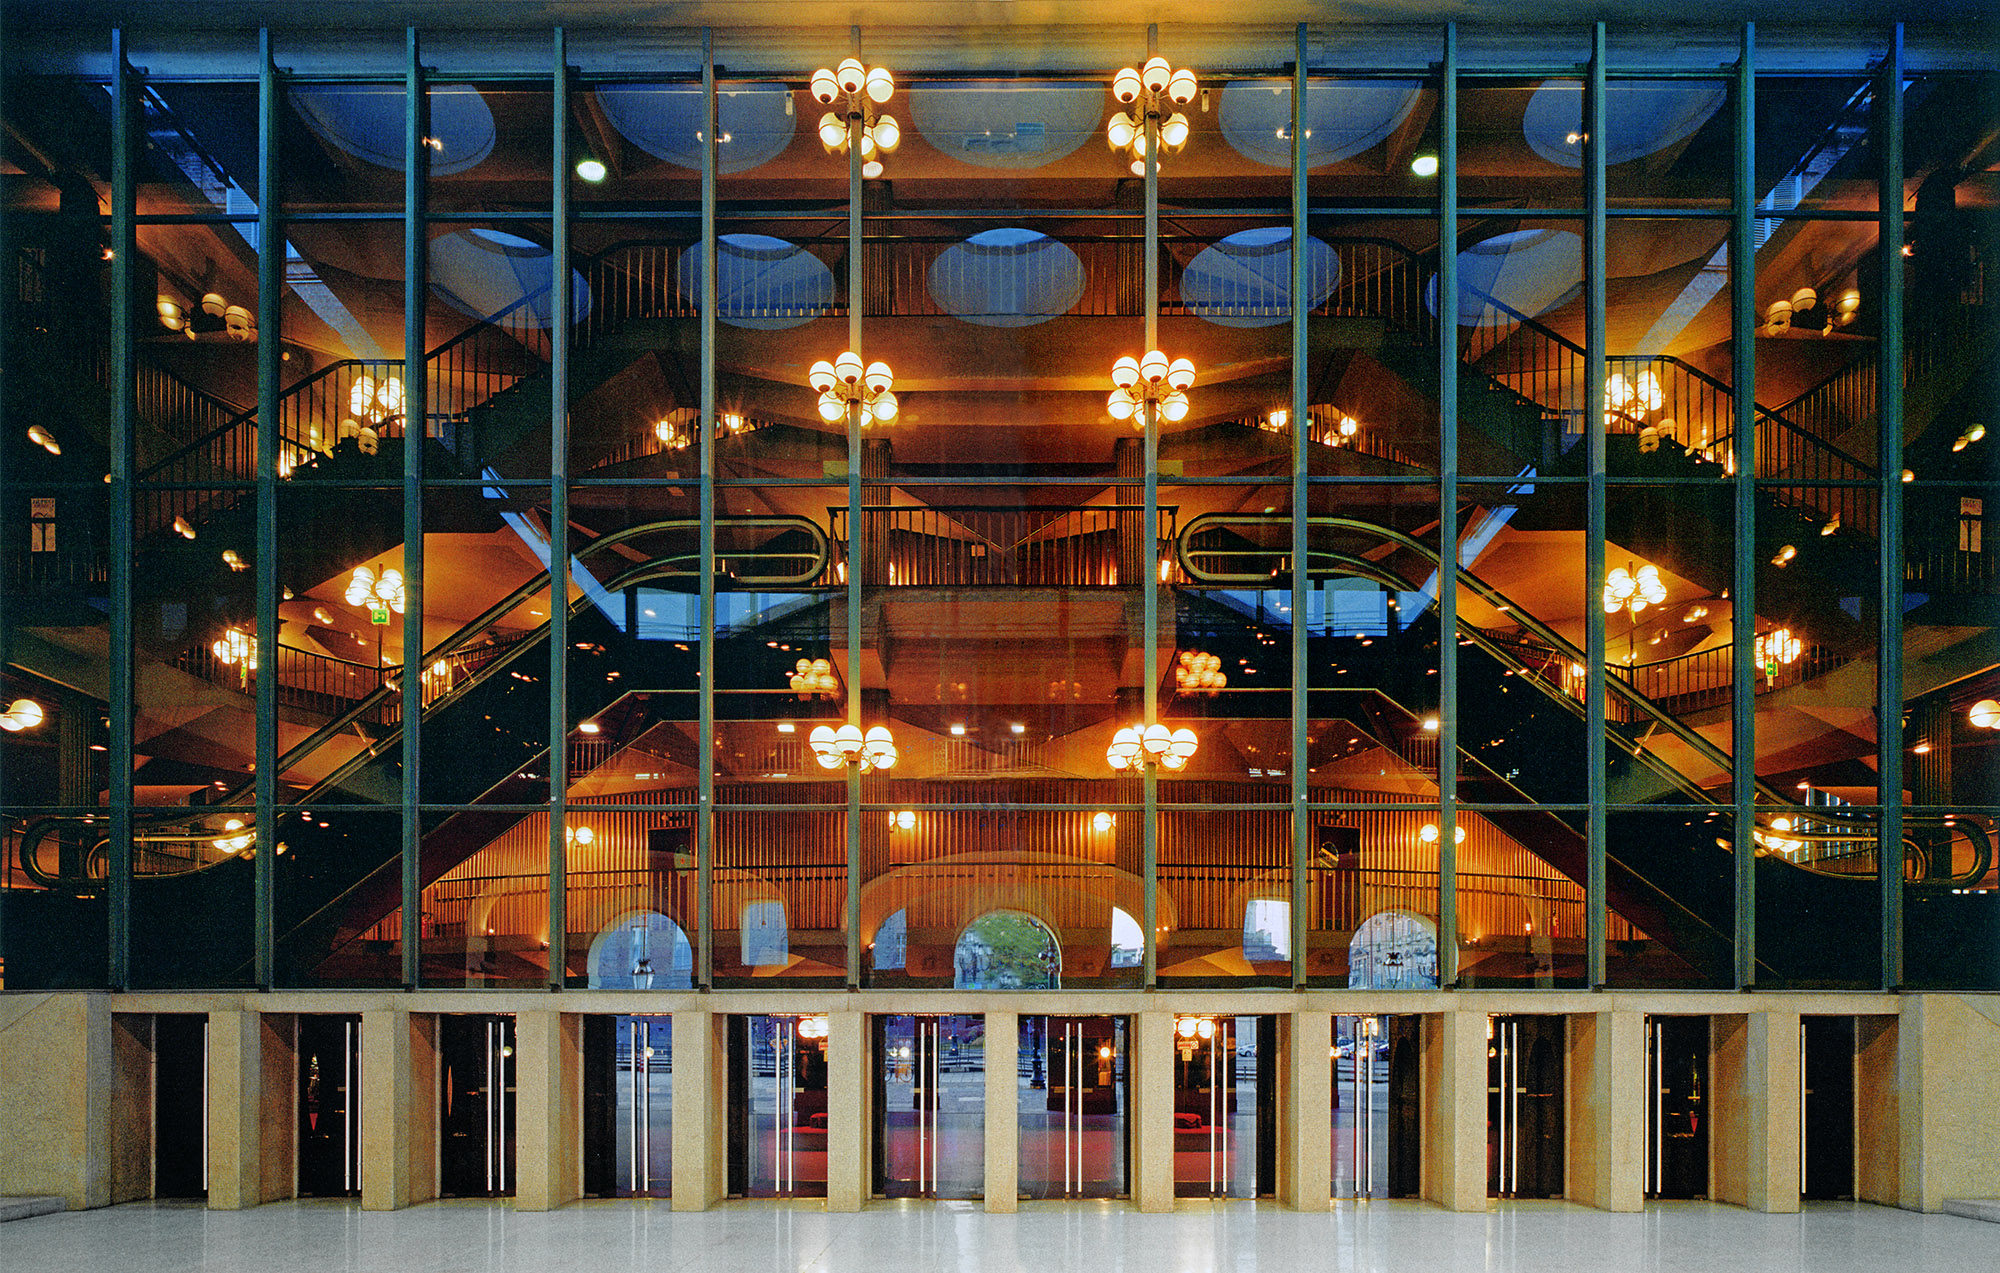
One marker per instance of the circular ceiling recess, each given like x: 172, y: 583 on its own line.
x: 1640, y: 117
x: 491, y: 275
x: 1343, y: 118
x: 1006, y: 278
x: 761, y: 283
x: 366, y: 121
x: 1010, y: 124
x: 664, y: 120
x: 1521, y: 274
x: 1245, y: 280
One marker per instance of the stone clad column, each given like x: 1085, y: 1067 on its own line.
x: 399, y: 1109
x: 250, y: 1120
x: 1305, y: 1111
x: 1003, y: 1119
x: 1152, y: 1111
x: 548, y: 1109
x: 1454, y: 1067
x: 1605, y: 1095
x: 848, y: 1174
x: 701, y: 1108
x: 1754, y: 1077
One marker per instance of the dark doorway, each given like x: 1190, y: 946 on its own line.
x: 628, y: 1106
x: 1827, y: 1059
x: 1677, y: 1107
x: 476, y: 1110
x: 1377, y: 1130
x: 1524, y: 1107
x: 329, y: 1108
x: 180, y: 1106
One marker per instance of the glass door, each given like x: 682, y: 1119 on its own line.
x: 1074, y: 1135
x: 329, y: 1113
x: 1826, y: 1107
x: 1677, y: 1107
x: 1524, y: 1106
x: 930, y: 1106
x: 628, y: 1106
x: 476, y: 1113
x: 1224, y: 1113
x: 1377, y: 1122
x: 777, y: 1099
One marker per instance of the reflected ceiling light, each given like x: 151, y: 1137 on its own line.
x: 813, y: 676
x: 42, y: 438
x: 238, y: 649
x: 1633, y: 590
x: 1137, y: 746
x: 904, y: 820
x: 25, y: 713
x: 1102, y: 822
x: 1776, y: 649
x: 863, y: 89
x: 812, y: 1027
x: 369, y: 591
x: 1806, y: 308
x: 1430, y: 834
x: 847, y: 389
x: 1150, y: 90
x: 1985, y: 714
x: 1198, y: 672
x: 579, y: 835
x: 1424, y: 165
x: 591, y: 170
x: 172, y: 316
x: 848, y: 745
x: 1973, y: 432
x: 1150, y: 388
x: 233, y: 843
x: 375, y: 401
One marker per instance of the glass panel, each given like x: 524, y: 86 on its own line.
x: 779, y: 1068
x: 930, y: 1101
x: 1666, y: 141
x: 780, y: 895
x: 1365, y: 138
x: 1812, y: 149
x: 643, y: 1107
x: 489, y: 145
x: 342, y: 144
x: 201, y: 146
x: 1521, y: 397
x: 1520, y: 143
x: 338, y: 897
x: 1220, y: 1084
x: 1074, y: 1140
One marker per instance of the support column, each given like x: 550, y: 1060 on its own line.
x: 1948, y: 1085
x: 250, y: 1123
x: 1877, y: 1111
x: 1152, y: 1111
x: 399, y: 1114
x: 1605, y: 1114
x: 1003, y: 1118
x: 1305, y: 1111
x: 1754, y: 1080
x: 64, y: 1139
x: 1454, y: 1173
x: 847, y: 1110
x: 701, y: 1108
x: 548, y: 1109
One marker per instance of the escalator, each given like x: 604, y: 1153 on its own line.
x: 338, y: 870
x: 1670, y: 870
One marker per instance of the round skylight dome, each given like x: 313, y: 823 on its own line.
x: 489, y: 274
x: 1007, y: 124
x: 665, y: 121
x: 1520, y: 274
x: 1245, y: 280
x: 1343, y: 118
x: 761, y: 283
x: 366, y: 121
x: 1006, y: 278
x: 1640, y: 117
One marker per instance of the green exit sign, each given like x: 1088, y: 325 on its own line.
x: 379, y: 616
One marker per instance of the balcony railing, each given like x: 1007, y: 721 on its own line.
x: 973, y: 546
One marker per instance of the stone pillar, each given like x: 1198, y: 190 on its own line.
x: 60, y: 1124
x: 1152, y: 1111
x: 701, y: 1109
x: 399, y: 1109
x: 1754, y: 1136
x: 848, y: 1172
x: 1877, y: 1114
x: 1305, y: 1111
x: 130, y: 1118
x: 1003, y: 1118
x: 1454, y: 1087
x: 1948, y: 1085
x: 548, y: 1109
x: 250, y: 1147
x: 1605, y: 1110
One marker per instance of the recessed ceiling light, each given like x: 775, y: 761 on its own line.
x: 590, y: 169
x: 1018, y: 728
x: 958, y: 731
x: 588, y: 727
x: 788, y: 728
x: 1424, y: 165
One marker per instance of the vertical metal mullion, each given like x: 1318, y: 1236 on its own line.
x: 855, y: 124
x: 270, y: 281
x: 124, y: 415
x: 1302, y: 849
x: 1593, y: 424
x: 704, y: 824
x: 1889, y: 414
x: 1447, y: 592
x: 559, y: 348
x: 1743, y: 606
x: 416, y: 414
x: 1150, y: 580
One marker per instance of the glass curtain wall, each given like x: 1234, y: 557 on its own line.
x: 454, y: 522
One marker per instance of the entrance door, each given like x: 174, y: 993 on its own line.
x: 476, y: 1116
x: 1224, y: 1134
x: 1072, y: 1102
x: 329, y: 1131
x: 180, y: 1106
x: 628, y: 1104
x: 1677, y: 1107
x: 1826, y: 1076
x: 1524, y: 1107
x: 1377, y: 1129
x: 777, y: 1107
x: 930, y: 1106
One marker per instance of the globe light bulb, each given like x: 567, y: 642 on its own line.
x: 879, y: 378
x: 1181, y: 373
x: 1153, y: 367
x: 1174, y: 407
x: 832, y: 131
x: 884, y: 408
x: 1120, y: 131
x: 848, y: 367
x: 824, y: 86
x: 881, y: 85
x: 1174, y: 132
x: 1157, y: 740
x: 850, y: 75
x: 1181, y: 87
x: 821, y: 377
x: 1155, y: 74
x: 1125, y: 372
x: 1120, y: 405
x: 888, y: 133
x: 831, y: 407
x: 1125, y: 85
x: 847, y: 740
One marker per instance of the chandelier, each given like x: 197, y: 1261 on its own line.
x: 1135, y: 746
x: 1151, y: 88
x: 238, y: 649
x: 234, y: 843
x: 1198, y: 672
x: 1633, y: 590
x: 375, y: 592
x: 864, y: 89
x: 1776, y: 649
x: 874, y: 750
x: 24, y: 713
x: 374, y: 401
x: 1151, y: 381
x: 844, y: 385
x: 813, y: 676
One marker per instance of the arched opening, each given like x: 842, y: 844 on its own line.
x: 1007, y: 950
x: 646, y: 951
x: 1393, y: 950
x: 1128, y: 940
x: 890, y: 949
x: 767, y: 942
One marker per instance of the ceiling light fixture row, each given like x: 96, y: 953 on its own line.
x: 1150, y: 381
x: 872, y: 751
x: 1151, y: 88
x: 1136, y: 746
x: 863, y: 88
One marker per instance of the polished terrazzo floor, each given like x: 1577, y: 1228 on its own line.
x: 921, y: 1238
